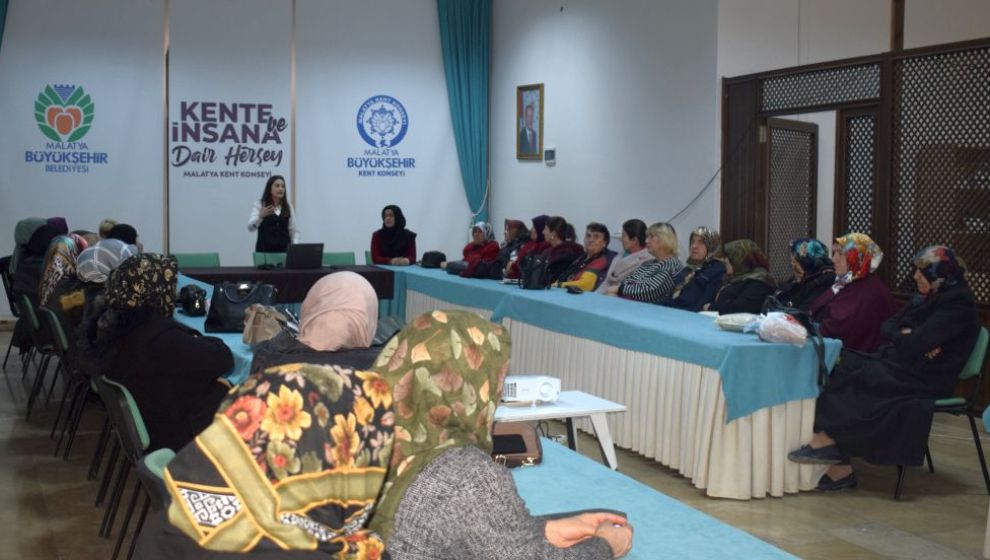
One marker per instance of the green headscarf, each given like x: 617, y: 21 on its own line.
x: 748, y: 262
x: 446, y: 370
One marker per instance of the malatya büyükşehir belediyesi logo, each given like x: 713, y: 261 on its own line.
x: 64, y: 113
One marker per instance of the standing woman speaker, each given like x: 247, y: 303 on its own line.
x: 272, y: 217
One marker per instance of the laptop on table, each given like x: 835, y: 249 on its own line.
x: 304, y: 256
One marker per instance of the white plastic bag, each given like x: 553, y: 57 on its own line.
x: 781, y: 327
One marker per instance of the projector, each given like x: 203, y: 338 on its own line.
x: 530, y: 388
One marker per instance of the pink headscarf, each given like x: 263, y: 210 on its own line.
x: 339, y: 312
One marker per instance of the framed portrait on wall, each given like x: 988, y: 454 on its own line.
x: 529, y: 122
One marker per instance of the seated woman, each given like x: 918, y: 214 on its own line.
x: 481, y: 248
x: 515, y: 235
x: 653, y: 281
x: 127, y: 234
x: 105, y: 227
x: 748, y: 283
x: 704, y: 273
x: 879, y: 406
x: 27, y: 266
x: 59, y: 264
x: 93, y: 268
x: 174, y: 373
x: 858, y: 302
x: 337, y: 324
x: 393, y: 243
x: 304, y: 448
x: 634, y: 244
x: 560, y: 253
x: 444, y: 496
x: 813, y: 274
x: 536, y: 245
x: 22, y: 234
x: 589, y: 270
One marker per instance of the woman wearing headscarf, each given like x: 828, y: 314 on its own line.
x: 59, y: 264
x: 654, y: 281
x: 22, y: 234
x: 536, y: 245
x: 560, y: 252
x: 748, y: 283
x: 304, y: 448
x: 858, y: 302
x: 704, y: 273
x: 481, y: 249
x: 633, y: 240
x: 93, y: 268
x: 59, y: 223
x: 813, y: 274
x: 393, y: 243
x: 588, y: 271
x: 125, y: 233
x: 26, y: 268
x: 444, y: 497
x: 338, y: 320
x: 174, y: 373
x: 879, y: 406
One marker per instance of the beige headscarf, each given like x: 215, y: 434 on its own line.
x: 339, y: 312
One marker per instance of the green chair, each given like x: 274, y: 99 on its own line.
x: 276, y: 259
x: 340, y: 259
x: 367, y: 258
x: 974, y: 369
x: 198, y: 260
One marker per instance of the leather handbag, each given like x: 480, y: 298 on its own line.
x: 432, y: 259
x: 515, y: 444
x: 231, y: 301
x: 535, y: 274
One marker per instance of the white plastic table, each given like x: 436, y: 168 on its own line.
x: 570, y: 405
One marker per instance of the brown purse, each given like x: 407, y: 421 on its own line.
x: 515, y: 444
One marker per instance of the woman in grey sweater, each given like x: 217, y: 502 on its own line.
x: 444, y: 497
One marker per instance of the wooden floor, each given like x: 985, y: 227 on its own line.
x: 49, y: 510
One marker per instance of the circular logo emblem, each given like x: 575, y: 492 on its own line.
x: 382, y: 121
x: 63, y: 113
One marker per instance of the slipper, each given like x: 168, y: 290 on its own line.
x: 826, y: 484
x: 828, y: 455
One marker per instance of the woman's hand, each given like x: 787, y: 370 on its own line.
x: 399, y: 261
x: 267, y: 211
x: 619, y: 537
x: 569, y: 531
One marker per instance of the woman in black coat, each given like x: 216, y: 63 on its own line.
x: 748, y: 282
x: 880, y: 406
x: 813, y: 274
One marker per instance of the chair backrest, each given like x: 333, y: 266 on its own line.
x: 8, y: 289
x: 340, y: 259
x: 55, y: 329
x: 198, y: 260
x: 124, y: 414
x: 367, y: 258
x: 28, y: 309
x: 269, y: 258
x: 151, y: 473
x: 974, y: 366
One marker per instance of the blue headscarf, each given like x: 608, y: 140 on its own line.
x: 811, y: 255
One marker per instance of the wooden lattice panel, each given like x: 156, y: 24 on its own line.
x: 830, y: 86
x: 791, y: 195
x: 860, y: 174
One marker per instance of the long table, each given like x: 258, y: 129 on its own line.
x: 292, y: 284
x: 721, y: 408
x: 241, y: 352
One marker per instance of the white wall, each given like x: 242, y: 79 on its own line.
x: 930, y: 22
x: 630, y: 105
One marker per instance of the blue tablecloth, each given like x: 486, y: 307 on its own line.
x: 755, y: 374
x: 242, y: 352
x: 663, y: 527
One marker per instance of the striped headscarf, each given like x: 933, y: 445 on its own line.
x: 97, y: 262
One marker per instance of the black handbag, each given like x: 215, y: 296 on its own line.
x: 432, y: 259
x: 814, y: 333
x: 192, y: 299
x: 535, y: 273
x: 230, y: 302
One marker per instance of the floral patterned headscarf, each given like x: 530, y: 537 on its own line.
x: 60, y: 262
x: 144, y: 282
x: 295, y: 459
x: 446, y: 370
x: 862, y: 255
x: 941, y: 267
x: 811, y: 255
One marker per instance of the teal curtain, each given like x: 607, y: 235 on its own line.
x: 465, y: 38
x: 3, y: 17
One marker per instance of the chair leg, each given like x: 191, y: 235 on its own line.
x: 108, y: 474
x: 979, y: 451
x: 73, y: 424
x: 39, y: 382
x: 928, y: 457
x: 26, y: 359
x: 118, y: 492
x: 127, y: 521
x: 101, y: 444
x: 7, y: 357
x: 140, y: 525
x: 61, y: 408
x: 51, y: 389
x: 900, y: 482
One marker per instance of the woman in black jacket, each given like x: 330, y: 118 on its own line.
x: 813, y: 274
x: 880, y: 406
x: 748, y: 283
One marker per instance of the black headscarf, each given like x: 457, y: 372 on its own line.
x: 123, y: 232
x: 539, y: 223
x: 42, y: 237
x: 395, y: 239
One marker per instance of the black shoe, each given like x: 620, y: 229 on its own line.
x: 826, y: 484
x: 828, y: 455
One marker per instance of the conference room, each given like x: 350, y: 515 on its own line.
x: 596, y: 197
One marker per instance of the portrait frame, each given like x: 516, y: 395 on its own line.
x: 527, y: 96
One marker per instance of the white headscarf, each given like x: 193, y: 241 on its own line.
x: 339, y: 312
x: 95, y: 263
